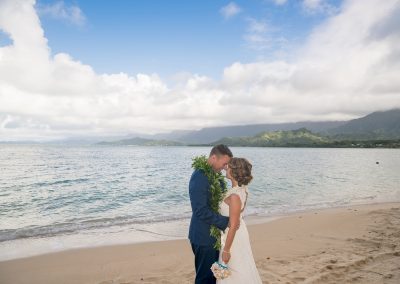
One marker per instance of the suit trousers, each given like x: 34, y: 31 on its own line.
x: 204, y: 257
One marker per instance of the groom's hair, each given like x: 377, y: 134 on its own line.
x: 221, y: 150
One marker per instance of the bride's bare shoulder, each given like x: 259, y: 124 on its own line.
x: 232, y: 197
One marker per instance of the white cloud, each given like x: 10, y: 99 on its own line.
x: 230, y: 10
x: 256, y: 26
x: 59, y: 10
x: 280, y: 2
x: 348, y: 67
x: 261, y: 36
x: 257, y: 36
x: 318, y: 6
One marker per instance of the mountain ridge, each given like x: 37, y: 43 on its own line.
x: 302, y: 138
x: 376, y: 125
x: 210, y: 134
x: 379, y: 125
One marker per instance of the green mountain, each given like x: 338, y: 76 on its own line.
x: 375, y: 126
x: 295, y: 138
x: 137, y: 141
x: 210, y: 134
x: 384, y: 125
x: 303, y: 138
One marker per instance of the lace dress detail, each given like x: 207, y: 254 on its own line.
x: 242, y: 263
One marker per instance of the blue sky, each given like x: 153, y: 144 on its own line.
x: 72, y: 68
x: 168, y: 37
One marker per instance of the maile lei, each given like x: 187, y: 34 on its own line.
x: 217, y: 191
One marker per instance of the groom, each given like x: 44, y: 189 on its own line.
x: 203, y: 217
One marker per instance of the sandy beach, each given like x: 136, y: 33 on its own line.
x: 357, y: 244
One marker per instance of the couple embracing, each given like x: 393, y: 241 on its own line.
x: 217, y: 232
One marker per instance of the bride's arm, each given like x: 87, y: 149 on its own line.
x: 234, y: 215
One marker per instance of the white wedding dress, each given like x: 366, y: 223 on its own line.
x: 241, y: 263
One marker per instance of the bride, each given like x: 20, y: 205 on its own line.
x: 236, y: 249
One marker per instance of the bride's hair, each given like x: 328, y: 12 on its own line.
x: 241, y: 170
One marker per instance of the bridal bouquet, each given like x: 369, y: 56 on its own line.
x: 220, y: 270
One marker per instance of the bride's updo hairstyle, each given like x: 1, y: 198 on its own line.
x: 241, y: 170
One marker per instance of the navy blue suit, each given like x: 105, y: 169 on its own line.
x: 199, y: 231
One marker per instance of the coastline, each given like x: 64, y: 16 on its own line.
x: 357, y: 243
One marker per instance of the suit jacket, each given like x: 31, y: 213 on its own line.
x: 202, y: 215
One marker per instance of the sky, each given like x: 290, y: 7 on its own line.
x: 93, y: 68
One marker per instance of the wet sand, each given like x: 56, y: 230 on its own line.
x: 357, y: 244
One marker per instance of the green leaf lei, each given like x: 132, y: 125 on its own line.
x: 217, y: 192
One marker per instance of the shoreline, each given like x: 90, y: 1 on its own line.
x: 131, y: 234
x: 314, y: 245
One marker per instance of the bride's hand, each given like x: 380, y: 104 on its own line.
x: 226, y: 256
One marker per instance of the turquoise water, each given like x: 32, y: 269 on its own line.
x: 57, y: 197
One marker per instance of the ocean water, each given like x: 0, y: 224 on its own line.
x: 55, y: 197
